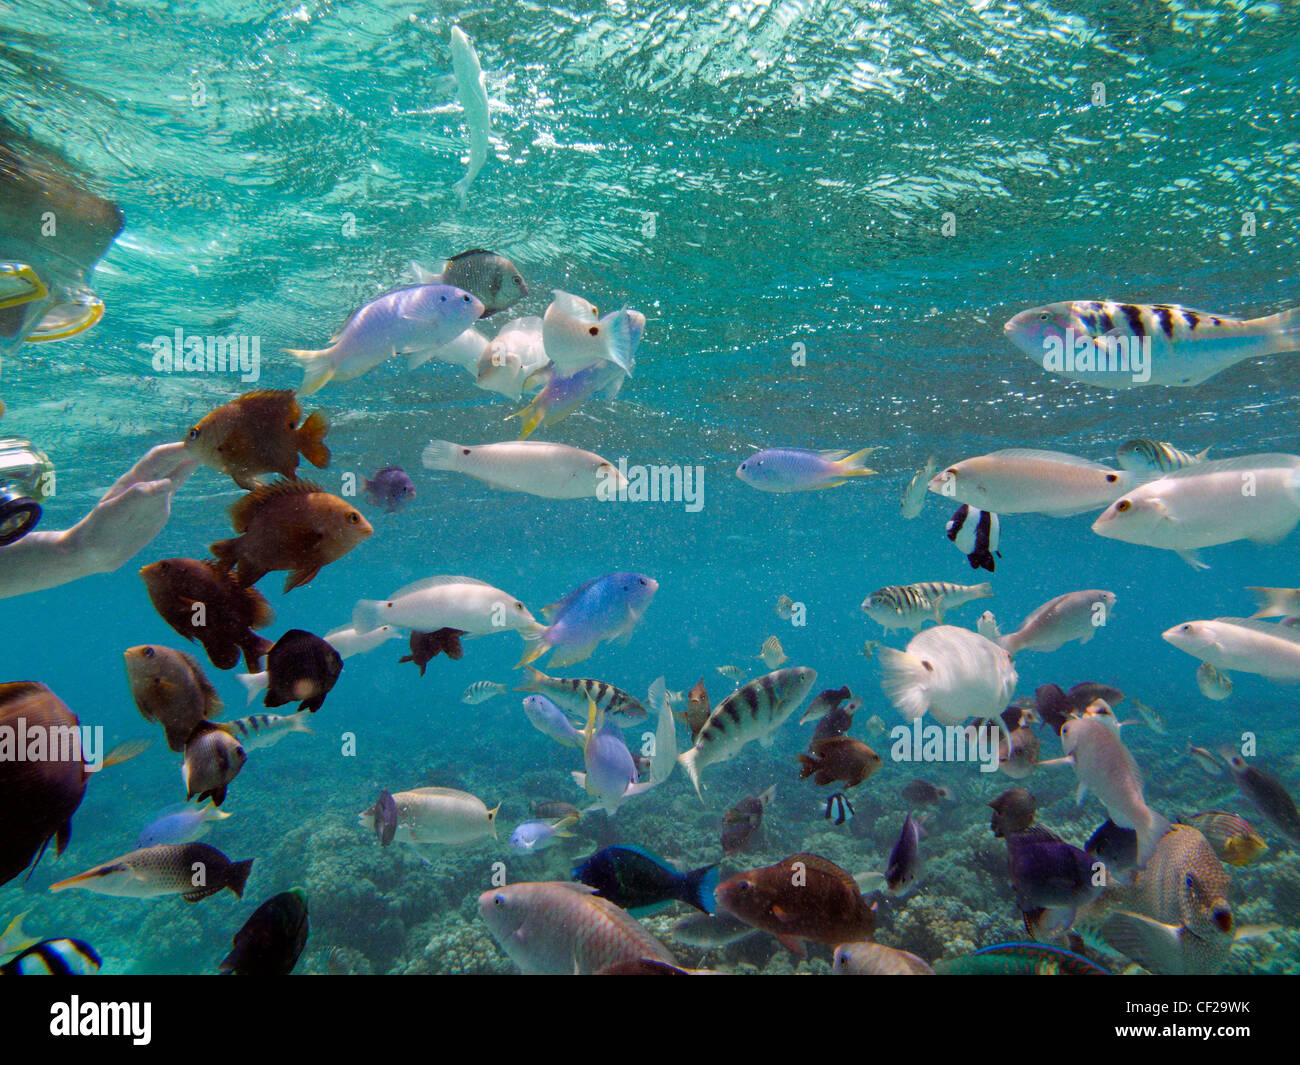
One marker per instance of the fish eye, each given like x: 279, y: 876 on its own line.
x: 1111, y: 478
x: 594, y: 330
x: 148, y: 652
x: 497, y: 900
x: 465, y: 298
x: 353, y: 518
x: 518, y: 280
x: 1044, y: 316
x: 1124, y: 506
x: 519, y: 605
x: 643, y: 581
x: 464, y: 451
x: 194, y: 433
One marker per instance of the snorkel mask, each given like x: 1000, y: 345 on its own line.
x: 26, y: 480
x: 30, y: 311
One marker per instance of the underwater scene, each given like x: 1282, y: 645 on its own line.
x: 748, y: 487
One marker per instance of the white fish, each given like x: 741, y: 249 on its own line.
x: 753, y: 712
x: 537, y: 467
x: 474, y: 99
x: 1104, y: 766
x: 1151, y: 716
x: 914, y: 493
x: 953, y: 673
x: 1252, y: 497
x: 464, y: 350
x: 664, y: 759
x: 575, y: 338
x: 263, y: 730
x: 446, y: 602
x: 1126, y: 345
x: 1241, y: 645
x: 1028, y: 481
x: 772, y: 653
x: 733, y: 673
x: 876, y: 959
x: 1073, y: 616
x: 446, y: 816
x: 785, y: 608
x: 975, y: 533
x: 505, y: 365
x: 481, y: 691
x: 909, y: 606
x: 1213, y: 684
x: 345, y: 640
x: 409, y: 319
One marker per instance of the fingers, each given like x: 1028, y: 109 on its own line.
x: 161, y: 462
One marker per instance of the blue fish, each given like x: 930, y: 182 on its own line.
x: 389, y: 488
x: 641, y: 882
x: 793, y: 469
x: 179, y: 825
x: 604, y: 608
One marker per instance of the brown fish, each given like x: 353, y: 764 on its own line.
x: 839, y: 758
x: 38, y: 796
x: 289, y: 525
x: 213, y: 758
x: 743, y: 820
x: 555, y: 809
x: 169, y: 687
x: 201, y: 602
x: 804, y: 897
x: 1013, y: 811
x: 427, y: 645
x: 697, y: 708
x: 259, y: 433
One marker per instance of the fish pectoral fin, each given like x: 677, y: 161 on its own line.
x: 1193, y: 559
x: 1156, y: 947
x: 793, y: 945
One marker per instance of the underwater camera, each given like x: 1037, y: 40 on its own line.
x: 26, y: 478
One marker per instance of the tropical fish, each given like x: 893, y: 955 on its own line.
x: 259, y: 433
x: 426, y: 646
x: 1028, y: 481
x: 875, y: 959
x: 39, y: 795
x: 744, y: 819
x: 826, y: 702
x: 1116, y: 847
x: 733, y: 673
x: 1209, y: 762
x: 836, y: 721
x: 390, y: 488
x: 429, y: 816
x: 801, y: 898
x: 301, y: 668
x: 611, y: 775
x: 641, y: 882
x: 1052, y: 878
x: 975, y: 533
x: 1020, y: 959
x: 481, y: 691
x: 772, y: 653
x: 1207, y: 504
x: 532, y: 836
x: 1153, y: 457
x: 203, y: 602
x: 697, y: 708
x: 1241, y: 645
x: 170, y: 688
x: 799, y: 470
x: 1151, y: 717
x: 1092, y: 340
x: 54, y: 957
x: 785, y: 607
x: 272, y: 939
x: 1181, y: 921
x: 191, y: 870
x: 710, y: 931
x: 1269, y: 795
x: 213, y: 758
x: 905, y: 858
x: 1231, y: 836
x: 564, y: 929
x: 839, y: 758
x: 753, y: 712
x: 539, y: 468
x: 1013, y: 811
x: 385, y: 816
x: 838, y: 809
x: 551, y: 721
x: 179, y: 824
x: 263, y: 730
x: 408, y: 320
x: 603, y: 608
x: 345, y: 640
x: 289, y: 525
x: 953, y: 673
x: 663, y: 758
x: 1072, y: 616
x: 575, y: 338
x: 478, y: 116
x: 514, y: 361
x: 898, y: 606
x: 1055, y: 707
x: 914, y: 492
x: 923, y: 793
x: 492, y: 278
x: 446, y: 602
x: 572, y: 694
x: 555, y: 809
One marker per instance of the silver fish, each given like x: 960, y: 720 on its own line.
x: 572, y: 694
x: 1154, y: 456
x: 481, y: 691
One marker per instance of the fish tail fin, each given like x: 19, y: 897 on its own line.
x: 855, y: 465
x: 530, y: 417
x: 1153, y: 827
x: 298, y: 723
x: 982, y: 591
x: 423, y: 276
x: 226, y: 553
x: 700, y: 887
x: 687, y: 761
x: 563, y: 825
x: 492, y: 819
x: 1272, y: 602
x: 254, y: 684
x: 1285, y: 328
x: 536, y: 678
x: 14, y: 938
x: 317, y: 368
x: 620, y: 341
x: 366, y: 616
x: 311, y: 439
x: 535, y: 637
x: 904, y: 677
x: 239, y: 876
x: 439, y: 455
x: 125, y: 751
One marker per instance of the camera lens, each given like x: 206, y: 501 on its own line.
x: 18, y: 516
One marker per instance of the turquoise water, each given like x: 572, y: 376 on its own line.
x: 752, y: 178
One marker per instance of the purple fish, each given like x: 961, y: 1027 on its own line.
x: 390, y: 488
x: 791, y: 469
x: 605, y: 608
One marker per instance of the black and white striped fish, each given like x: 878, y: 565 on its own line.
x: 54, y: 957
x: 975, y: 532
x: 572, y: 694
x: 1184, y: 347
x: 838, y: 808
x: 263, y: 730
x: 752, y: 712
x: 1153, y: 456
x: 898, y: 606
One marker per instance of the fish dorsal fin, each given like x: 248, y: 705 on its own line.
x: 441, y: 581
x: 574, y: 885
x: 1040, y: 833
x: 549, y: 611
x: 1268, y: 628
x: 575, y: 306
x: 1052, y: 456
x: 441, y: 792
x: 825, y: 866
x: 466, y: 254
x: 243, y: 510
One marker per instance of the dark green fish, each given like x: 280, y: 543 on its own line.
x: 1020, y: 959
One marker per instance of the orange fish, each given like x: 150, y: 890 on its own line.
x: 839, y: 758
x: 202, y: 602
x: 804, y: 897
x: 289, y: 525
x: 259, y: 433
